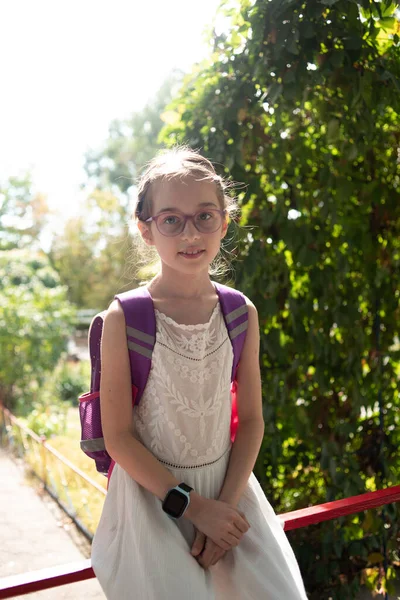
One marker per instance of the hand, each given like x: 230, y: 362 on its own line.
x: 206, y: 552
x: 218, y: 520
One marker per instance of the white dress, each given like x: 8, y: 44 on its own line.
x: 183, y: 418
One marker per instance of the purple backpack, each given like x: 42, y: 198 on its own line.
x: 141, y: 336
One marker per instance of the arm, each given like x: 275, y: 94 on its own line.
x: 248, y: 437
x: 250, y: 430
x: 116, y: 410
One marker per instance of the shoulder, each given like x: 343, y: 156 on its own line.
x: 227, y: 291
x: 114, y: 311
x: 252, y: 313
x: 253, y: 328
x: 114, y: 318
x: 252, y: 310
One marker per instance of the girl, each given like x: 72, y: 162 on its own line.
x: 224, y: 540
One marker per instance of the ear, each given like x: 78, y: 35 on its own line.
x: 145, y: 232
x: 224, y: 227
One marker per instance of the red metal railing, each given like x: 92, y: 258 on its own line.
x: 53, y: 577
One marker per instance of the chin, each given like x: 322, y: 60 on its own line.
x: 189, y: 267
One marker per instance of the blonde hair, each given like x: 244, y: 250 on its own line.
x: 181, y: 162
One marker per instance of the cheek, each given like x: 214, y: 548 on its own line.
x: 166, y: 246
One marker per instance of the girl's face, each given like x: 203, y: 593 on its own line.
x: 188, y: 197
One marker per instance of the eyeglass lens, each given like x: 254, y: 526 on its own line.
x: 204, y: 221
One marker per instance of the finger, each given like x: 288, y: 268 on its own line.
x: 208, y: 553
x: 217, y: 557
x: 230, y: 539
x: 241, y: 524
x: 233, y: 535
x: 224, y: 545
x: 205, y: 561
x: 244, y: 517
x: 198, y: 543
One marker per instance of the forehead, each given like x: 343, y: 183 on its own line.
x: 183, y: 194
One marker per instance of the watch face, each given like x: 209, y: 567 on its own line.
x: 175, y: 503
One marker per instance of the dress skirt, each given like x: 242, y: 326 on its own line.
x: 140, y: 553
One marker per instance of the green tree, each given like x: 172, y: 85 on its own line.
x: 23, y: 213
x: 35, y: 322
x: 300, y: 100
x: 94, y: 255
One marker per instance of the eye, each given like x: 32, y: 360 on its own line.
x: 171, y: 219
x: 205, y: 216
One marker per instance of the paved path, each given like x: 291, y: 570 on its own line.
x: 34, y: 535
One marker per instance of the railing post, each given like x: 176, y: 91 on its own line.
x: 43, y: 457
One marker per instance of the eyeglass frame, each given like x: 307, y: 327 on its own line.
x: 186, y: 218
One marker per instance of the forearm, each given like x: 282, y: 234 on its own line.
x: 149, y: 472
x: 141, y: 465
x: 244, y: 454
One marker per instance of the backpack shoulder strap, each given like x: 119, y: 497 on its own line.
x: 235, y: 311
x: 141, y: 333
x: 94, y: 337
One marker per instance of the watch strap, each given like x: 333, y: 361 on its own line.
x: 185, y: 487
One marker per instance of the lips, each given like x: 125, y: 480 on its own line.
x: 191, y: 253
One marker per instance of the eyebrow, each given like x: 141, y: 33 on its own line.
x: 175, y: 209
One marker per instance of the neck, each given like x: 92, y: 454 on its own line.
x: 172, y: 284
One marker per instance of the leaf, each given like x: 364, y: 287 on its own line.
x: 274, y: 92
x: 293, y: 47
x: 328, y: 2
x: 387, y: 23
x: 170, y: 117
x: 242, y: 113
x: 308, y: 31
x: 336, y: 58
x: 375, y: 557
x: 333, y: 131
x: 352, y: 43
x: 289, y: 77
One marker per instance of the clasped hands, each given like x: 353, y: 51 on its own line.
x: 206, y: 551
x: 219, y: 527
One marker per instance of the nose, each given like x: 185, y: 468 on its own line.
x: 190, y: 232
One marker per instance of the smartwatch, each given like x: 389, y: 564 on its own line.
x: 177, y: 500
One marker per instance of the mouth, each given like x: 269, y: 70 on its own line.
x: 191, y: 254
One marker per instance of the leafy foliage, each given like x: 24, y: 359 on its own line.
x: 23, y: 213
x: 35, y: 322
x: 60, y: 391
x: 71, y: 380
x: 94, y: 255
x: 300, y: 100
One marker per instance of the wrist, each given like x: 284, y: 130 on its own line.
x: 195, y: 506
x: 229, y: 499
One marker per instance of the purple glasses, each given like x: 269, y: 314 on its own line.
x: 173, y: 223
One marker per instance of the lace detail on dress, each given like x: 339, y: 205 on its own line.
x: 195, y: 375
x: 185, y: 412
x: 170, y: 321
x: 195, y: 346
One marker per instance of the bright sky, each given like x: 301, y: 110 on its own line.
x: 69, y: 68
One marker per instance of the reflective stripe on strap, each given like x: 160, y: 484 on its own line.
x: 140, y: 349
x: 236, y: 313
x: 93, y: 445
x: 140, y: 335
x: 238, y: 330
